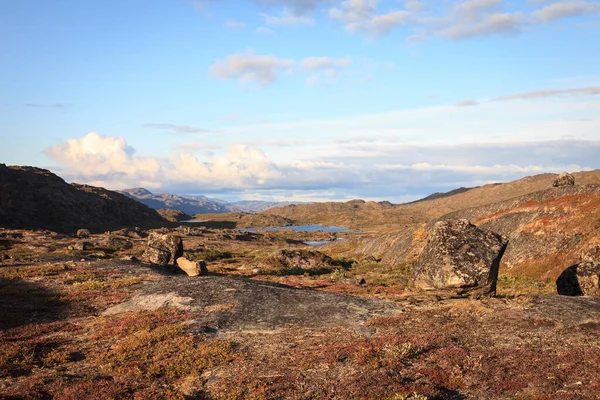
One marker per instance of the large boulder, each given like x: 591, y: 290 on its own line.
x: 459, y: 255
x: 582, y: 279
x: 564, y: 179
x: 166, y: 243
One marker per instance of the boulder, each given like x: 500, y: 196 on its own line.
x: 81, y: 246
x: 168, y: 243
x: 112, y: 242
x: 305, y: 259
x: 459, y: 255
x: 583, y: 278
x: 192, y: 268
x: 564, y: 179
x: 83, y: 233
x: 157, y: 256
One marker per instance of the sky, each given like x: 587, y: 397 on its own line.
x: 300, y: 100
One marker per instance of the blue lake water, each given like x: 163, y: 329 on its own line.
x: 302, y: 228
x: 192, y: 221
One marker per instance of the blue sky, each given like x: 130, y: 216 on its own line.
x: 300, y: 99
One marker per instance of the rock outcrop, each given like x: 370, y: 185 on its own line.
x: 583, y: 278
x: 173, y: 215
x: 192, y: 268
x: 564, y: 179
x: 458, y: 255
x: 163, y: 249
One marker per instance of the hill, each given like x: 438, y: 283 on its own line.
x: 383, y: 217
x: 36, y: 198
x: 547, y: 230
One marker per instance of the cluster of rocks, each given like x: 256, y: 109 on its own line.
x: 166, y: 250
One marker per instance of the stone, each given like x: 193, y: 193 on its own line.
x: 4, y: 257
x: 564, y: 179
x: 192, y: 268
x: 81, y: 246
x: 168, y: 243
x: 157, y: 256
x: 583, y: 278
x: 112, y: 242
x: 459, y: 255
x: 83, y: 233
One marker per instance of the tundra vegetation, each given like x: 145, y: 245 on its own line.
x: 84, y: 314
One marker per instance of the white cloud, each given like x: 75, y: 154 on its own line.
x: 287, y: 19
x: 485, y: 26
x: 470, y: 7
x: 177, y: 128
x: 589, y: 91
x: 566, y: 9
x: 362, y: 16
x: 317, y: 63
x: 110, y: 161
x: 251, y: 68
x: 265, y: 69
x: 299, y: 7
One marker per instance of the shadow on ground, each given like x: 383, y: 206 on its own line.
x: 24, y: 302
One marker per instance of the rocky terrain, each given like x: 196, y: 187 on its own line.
x: 456, y: 306
x: 36, y: 198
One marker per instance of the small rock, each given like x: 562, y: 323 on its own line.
x: 360, y: 281
x: 4, y: 257
x: 192, y: 268
x: 564, y: 179
x: 83, y: 233
x: 132, y: 259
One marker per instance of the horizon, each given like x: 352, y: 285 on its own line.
x: 300, y: 100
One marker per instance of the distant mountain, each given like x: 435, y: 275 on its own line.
x: 36, y: 198
x: 197, y: 204
x: 255, y: 206
x: 188, y: 204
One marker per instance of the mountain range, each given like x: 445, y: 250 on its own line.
x: 197, y: 204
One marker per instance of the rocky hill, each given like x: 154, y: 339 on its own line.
x: 547, y: 231
x: 384, y: 217
x: 36, y: 198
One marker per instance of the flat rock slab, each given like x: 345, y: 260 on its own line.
x: 226, y: 303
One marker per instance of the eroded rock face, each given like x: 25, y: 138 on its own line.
x: 192, y: 268
x: 582, y: 279
x: 458, y: 255
x: 170, y: 249
x: 564, y: 179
